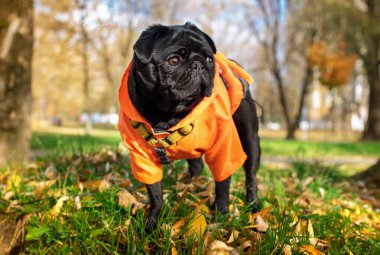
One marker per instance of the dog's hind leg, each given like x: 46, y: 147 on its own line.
x: 247, y: 125
x: 195, y: 166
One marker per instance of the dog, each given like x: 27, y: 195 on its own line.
x: 180, y: 99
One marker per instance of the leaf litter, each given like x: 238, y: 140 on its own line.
x: 242, y: 233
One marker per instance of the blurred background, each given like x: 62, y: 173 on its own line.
x: 315, y: 63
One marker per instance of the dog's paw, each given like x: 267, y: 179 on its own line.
x: 151, y: 225
x: 220, y: 208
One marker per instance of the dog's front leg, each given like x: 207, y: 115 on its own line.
x: 222, y: 193
x: 156, y: 200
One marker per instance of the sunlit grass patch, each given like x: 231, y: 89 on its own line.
x: 66, y: 140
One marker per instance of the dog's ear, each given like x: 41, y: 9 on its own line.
x: 143, y: 47
x: 208, y: 38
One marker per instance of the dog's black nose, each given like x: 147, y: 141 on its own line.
x: 197, y: 65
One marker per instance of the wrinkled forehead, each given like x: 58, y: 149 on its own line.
x: 179, y: 37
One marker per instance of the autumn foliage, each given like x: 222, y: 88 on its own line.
x: 335, y: 67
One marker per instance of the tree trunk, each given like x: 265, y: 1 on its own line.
x: 16, y: 50
x: 372, y: 130
x: 372, y: 65
x: 291, y: 130
x: 85, y: 66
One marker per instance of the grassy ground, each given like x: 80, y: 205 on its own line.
x: 74, y: 205
x: 73, y: 201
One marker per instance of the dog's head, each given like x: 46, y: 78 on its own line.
x: 174, y: 66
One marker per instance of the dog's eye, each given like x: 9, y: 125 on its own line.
x: 174, y: 61
x: 209, y: 60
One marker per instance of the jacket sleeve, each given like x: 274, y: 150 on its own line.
x: 145, y: 166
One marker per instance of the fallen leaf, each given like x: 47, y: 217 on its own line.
x: 322, y: 192
x: 13, y: 182
x: 202, y: 208
x: 101, y: 185
x: 220, y: 248
x: 206, y: 240
x: 78, y: 204
x: 174, y: 251
x: 246, y: 245
x: 310, y: 229
x: 318, y: 242
x: 262, y: 226
x: 234, y: 235
x: 127, y: 200
x: 287, y: 250
x: 40, y: 187
x: 179, y: 224
x: 58, y: 206
x: 262, y: 213
x: 51, y: 172
x: 197, y: 227
x: 201, y: 181
x: 183, y: 187
x: 8, y: 195
x: 310, y: 250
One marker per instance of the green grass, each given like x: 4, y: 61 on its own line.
x: 318, y: 149
x: 54, y: 143
x: 302, y: 193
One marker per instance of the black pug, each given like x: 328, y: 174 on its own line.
x: 176, y: 74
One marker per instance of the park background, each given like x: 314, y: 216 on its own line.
x: 316, y: 66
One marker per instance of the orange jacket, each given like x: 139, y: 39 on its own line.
x: 214, y: 133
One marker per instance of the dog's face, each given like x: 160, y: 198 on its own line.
x: 174, y: 66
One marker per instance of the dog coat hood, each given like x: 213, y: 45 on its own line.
x: 214, y: 133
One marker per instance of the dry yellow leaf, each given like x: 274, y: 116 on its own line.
x: 310, y: 250
x: 202, y: 208
x: 310, y: 229
x: 174, y: 251
x: 179, y: 224
x: 13, y: 182
x: 262, y: 213
x: 58, y: 206
x: 197, y: 226
x: 234, y: 235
